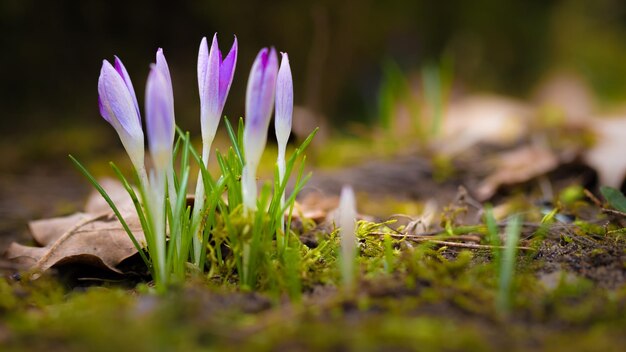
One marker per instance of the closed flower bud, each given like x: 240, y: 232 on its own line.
x: 118, y: 106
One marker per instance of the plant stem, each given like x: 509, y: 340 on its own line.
x: 248, y: 188
x: 198, y: 206
x: 281, y: 176
x: 171, y: 190
x: 143, y: 178
x: 158, y: 208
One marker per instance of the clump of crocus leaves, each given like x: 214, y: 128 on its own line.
x: 232, y: 230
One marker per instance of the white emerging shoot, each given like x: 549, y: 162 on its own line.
x: 346, y: 220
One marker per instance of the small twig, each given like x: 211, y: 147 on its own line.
x: 620, y: 230
x: 415, y: 238
x: 593, y: 198
x: 613, y: 212
x: 599, y: 204
x: 466, y: 238
x: 442, y: 231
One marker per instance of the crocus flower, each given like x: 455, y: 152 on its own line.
x: 160, y: 122
x: 284, y: 107
x: 282, y: 122
x: 160, y: 128
x: 346, y: 218
x: 215, y: 76
x: 160, y: 113
x: 118, y: 106
x: 259, y: 104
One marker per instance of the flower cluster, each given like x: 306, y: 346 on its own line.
x: 163, y: 211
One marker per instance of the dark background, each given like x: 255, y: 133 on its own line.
x: 52, y: 50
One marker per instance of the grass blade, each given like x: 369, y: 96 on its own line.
x: 110, y: 202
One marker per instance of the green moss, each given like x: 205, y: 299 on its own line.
x: 435, y: 298
x: 571, y: 194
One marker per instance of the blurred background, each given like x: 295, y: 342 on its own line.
x: 346, y: 57
x: 363, y: 63
x: 52, y: 50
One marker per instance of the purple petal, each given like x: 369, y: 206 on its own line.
x: 261, y: 89
x: 259, y: 104
x: 159, y: 116
x: 227, y: 72
x: 116, y: 102
x: 212, y: 79
x: 161, y: 65
x: 103, y: 111
x: 284, y: 100
x: 119, y: 67
x: 203, y: 60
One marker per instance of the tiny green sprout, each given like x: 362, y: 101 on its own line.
x: 389, y: 256
x: 507, y: 265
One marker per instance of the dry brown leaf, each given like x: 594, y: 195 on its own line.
x: 96, y: 204
x: 483, y: 119
x: 46, y: 231
x: 607, y: 154
x: 517, y: 166
x: 316, y: 206
x: 569, y: 93
x: 25, y: 256
x: 95, y: 237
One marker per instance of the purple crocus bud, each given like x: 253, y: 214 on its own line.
x: 160, y: 113
x: 118, y: 106
x: 282, y: 122
x: 163, y: 68
x: 215, y: 76
x: 259, y: 105
x: 284, y: 101
x: 119, y: 67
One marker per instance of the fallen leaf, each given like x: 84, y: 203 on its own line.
x: 483, y: 119
x: 316, y: 206
x: 567, y: 92
x: 46, y: 231
x: 95, y: 237
x: 25, y: 256
x: 517, y: 166
x: 96, y: 204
